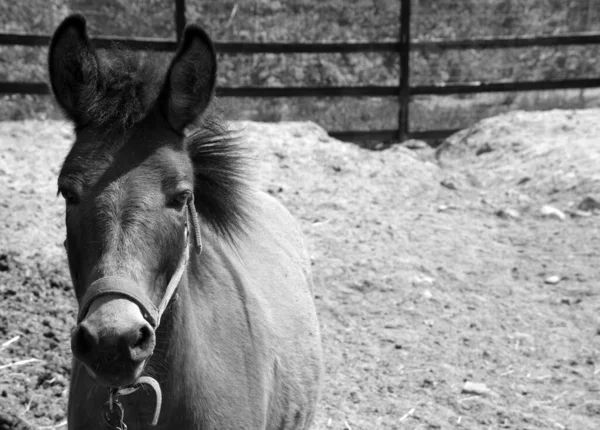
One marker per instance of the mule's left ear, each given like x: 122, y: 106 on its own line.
x: 191, y: 78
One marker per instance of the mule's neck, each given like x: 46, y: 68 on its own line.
x: 209, y: 355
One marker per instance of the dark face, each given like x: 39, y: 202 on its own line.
x: 125, y: 217
x: 127, y: 183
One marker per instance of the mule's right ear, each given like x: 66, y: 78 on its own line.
x: 191, y: 78
x: 73, y: 67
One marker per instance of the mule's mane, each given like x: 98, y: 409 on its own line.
x: 221, y: 177
x: 131, y: 86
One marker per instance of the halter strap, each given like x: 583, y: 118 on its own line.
x: 122, y: 287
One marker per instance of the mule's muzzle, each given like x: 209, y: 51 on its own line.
x: 114, y: 341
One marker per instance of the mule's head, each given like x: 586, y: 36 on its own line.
x: 127, y: 183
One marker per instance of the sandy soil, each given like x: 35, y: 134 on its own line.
x: 431, y: 273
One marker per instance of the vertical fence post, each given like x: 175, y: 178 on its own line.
x: 404, y: 95
x: 179, y: 18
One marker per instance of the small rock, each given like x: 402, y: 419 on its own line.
x: 552, y: 212
x: 570, y: 301
x: 483, y: 149
x: 423, y: 281
x: 588, y: 205
x: 447, y: 184
x: 442, y: 208
x: 415, y: 144
x: 552, y: 280
x: 427, y: 294
x: 428, y: 383
x: 508, y: 213
x: 4, y: 265
x: 275, y: 5
x: 477, y: 388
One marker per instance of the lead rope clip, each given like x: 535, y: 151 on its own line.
x: 112, y: 413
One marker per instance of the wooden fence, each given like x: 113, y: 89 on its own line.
x: 404, y: 91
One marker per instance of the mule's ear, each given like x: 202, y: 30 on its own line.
x: 73, y: 67
x: 191, y: 78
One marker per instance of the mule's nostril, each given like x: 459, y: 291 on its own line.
x: 143, y: 337
x: 142, y: 344
x: 83, y: 342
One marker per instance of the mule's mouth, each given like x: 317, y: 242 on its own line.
x: 115, y: 376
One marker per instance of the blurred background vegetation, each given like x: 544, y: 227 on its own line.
x: 339, y: 21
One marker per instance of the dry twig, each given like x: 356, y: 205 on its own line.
x: 10, y: 341
x: 53, y: 427
x: 408, y: 414
x: 19, y: 363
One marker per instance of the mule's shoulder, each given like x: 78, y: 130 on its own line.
x: 273, y: 207
x: 274, y: 217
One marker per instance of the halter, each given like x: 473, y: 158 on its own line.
x: 112, y: 412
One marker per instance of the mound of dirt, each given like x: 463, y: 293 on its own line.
x: 435, y: 311
x: 548, y: 155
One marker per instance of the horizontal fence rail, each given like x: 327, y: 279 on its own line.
x: 365, y: 91
x: 158, y: 44
x: 404, y: 91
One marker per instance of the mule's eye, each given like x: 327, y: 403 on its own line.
x: 180, y: 199
x: 70, y: 197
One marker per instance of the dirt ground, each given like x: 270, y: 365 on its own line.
x: 446, y: 298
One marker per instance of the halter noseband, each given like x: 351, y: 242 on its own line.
x: 111, y: 413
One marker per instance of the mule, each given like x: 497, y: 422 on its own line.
x: 196, y: 306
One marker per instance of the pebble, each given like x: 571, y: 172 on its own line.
x: 552, y: 212
x: 588, y: 205
x: 484, y: 149
x: 415, y: 144
x: 422, y: 281
x: 552, y: 280
x: 508, y: 213
x: 477, y: 388
x: 354, y: 396
x: 448, y: 184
